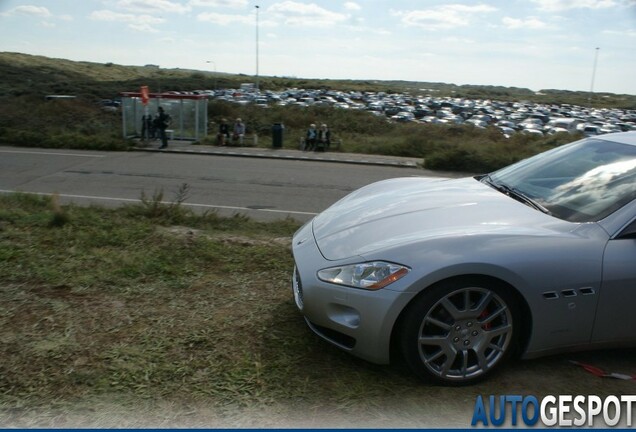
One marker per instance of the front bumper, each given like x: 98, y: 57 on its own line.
x: 355, y: 320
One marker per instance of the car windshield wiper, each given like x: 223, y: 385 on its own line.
x: 515, y: 194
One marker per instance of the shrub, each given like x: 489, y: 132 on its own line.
x: 81, y: 124
x: 74, y: 124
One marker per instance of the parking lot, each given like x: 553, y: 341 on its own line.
x: 509, y: 117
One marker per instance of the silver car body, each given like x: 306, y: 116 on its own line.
x: 577, y: 280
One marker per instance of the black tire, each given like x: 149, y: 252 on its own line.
x: 460, y: 331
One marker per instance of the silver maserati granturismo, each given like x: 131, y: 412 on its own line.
x: 456, y: 276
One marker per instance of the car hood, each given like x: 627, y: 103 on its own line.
x: 406, y: 210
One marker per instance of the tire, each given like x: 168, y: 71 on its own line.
x: 458, y: 332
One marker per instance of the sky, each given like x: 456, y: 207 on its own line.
x: 580, y: 45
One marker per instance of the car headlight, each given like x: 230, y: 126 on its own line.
x: 370, y: 275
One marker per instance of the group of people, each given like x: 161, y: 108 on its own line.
x: 155, y: 127
x: 317, y: 139
x: 233, y: 136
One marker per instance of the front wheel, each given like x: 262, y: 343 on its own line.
x: 457, y: 333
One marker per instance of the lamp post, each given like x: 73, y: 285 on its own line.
x: 257, y: 8
x: 213, y: 64
x: 589, y: 99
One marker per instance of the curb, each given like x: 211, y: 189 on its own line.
x: 261, y: 155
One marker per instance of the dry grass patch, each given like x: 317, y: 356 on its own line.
x: 116, y: 319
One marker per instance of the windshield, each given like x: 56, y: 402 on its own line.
x: 580, y: 182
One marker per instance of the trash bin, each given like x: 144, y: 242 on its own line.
x: 277, y: 135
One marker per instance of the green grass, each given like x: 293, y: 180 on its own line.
x: 38, y: 75
x: 125, y: 303
x: 140, y: 317
x: 442, y: 147
x: 151, y: 315
x: 112, y: 301
x: 26, y: 119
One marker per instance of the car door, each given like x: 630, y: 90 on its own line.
x: 616, y: 313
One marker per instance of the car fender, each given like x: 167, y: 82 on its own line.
x: 559, y: 276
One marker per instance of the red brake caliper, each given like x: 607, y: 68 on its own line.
x: 483, y: 315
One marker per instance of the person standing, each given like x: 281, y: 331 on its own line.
x: 145, y: 131
x: 224, y: 133
x: 310, y: 137
x: 163, y: 121
x: 324, y: 138
x: 150, y: 127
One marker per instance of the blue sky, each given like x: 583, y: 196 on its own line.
x: 537, y: 44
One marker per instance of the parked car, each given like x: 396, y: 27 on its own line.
x: 459, y: 275
x: 403, y: 116
x: 430, y: 119
x: 508, y: 132
x: 477, y: 123
x: 590, y: 130
x: 506, y: 124
x: 532, y: 131
x: 110, y: 105
x: 562, y: 125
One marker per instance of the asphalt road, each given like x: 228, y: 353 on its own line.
x: 265, y: 189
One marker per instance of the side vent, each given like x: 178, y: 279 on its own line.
x: 553, y: 295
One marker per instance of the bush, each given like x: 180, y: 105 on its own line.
x: 73, y: 124
x: 81, y: 124
x: 443, y: 147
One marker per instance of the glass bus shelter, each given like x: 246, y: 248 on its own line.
x: 189, y: 114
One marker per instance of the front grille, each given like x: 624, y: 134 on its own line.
x: 297, y: 287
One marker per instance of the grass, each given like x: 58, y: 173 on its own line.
x: 149, y: 315
x: 135, y: 317
x: 442, y: 147
x: 27, y: 74
x: 26, y: 119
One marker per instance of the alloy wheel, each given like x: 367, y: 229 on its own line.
x: 465, y: 334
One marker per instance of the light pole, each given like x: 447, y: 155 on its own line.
x: 213, y: 64
x: 589, y: 99
x: 257, y: 8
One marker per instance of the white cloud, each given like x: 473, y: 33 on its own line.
x: 562, y: 5
x: 369, y: 30
x: 233, y: 4
x: 152, y: 6
x: 352, y: 6
x: 458, y: 40
x: 302, y: 14
x: 626, y: 33
x: 531, y: 23
x: 442, y: 17
x: 37, y: 11
x: 225, y: 19
x: 141, y: 23
x: 143, y: 27
x: 106, y: 15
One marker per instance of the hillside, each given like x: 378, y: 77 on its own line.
x: 22, y: 74
x: 28, y: 119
